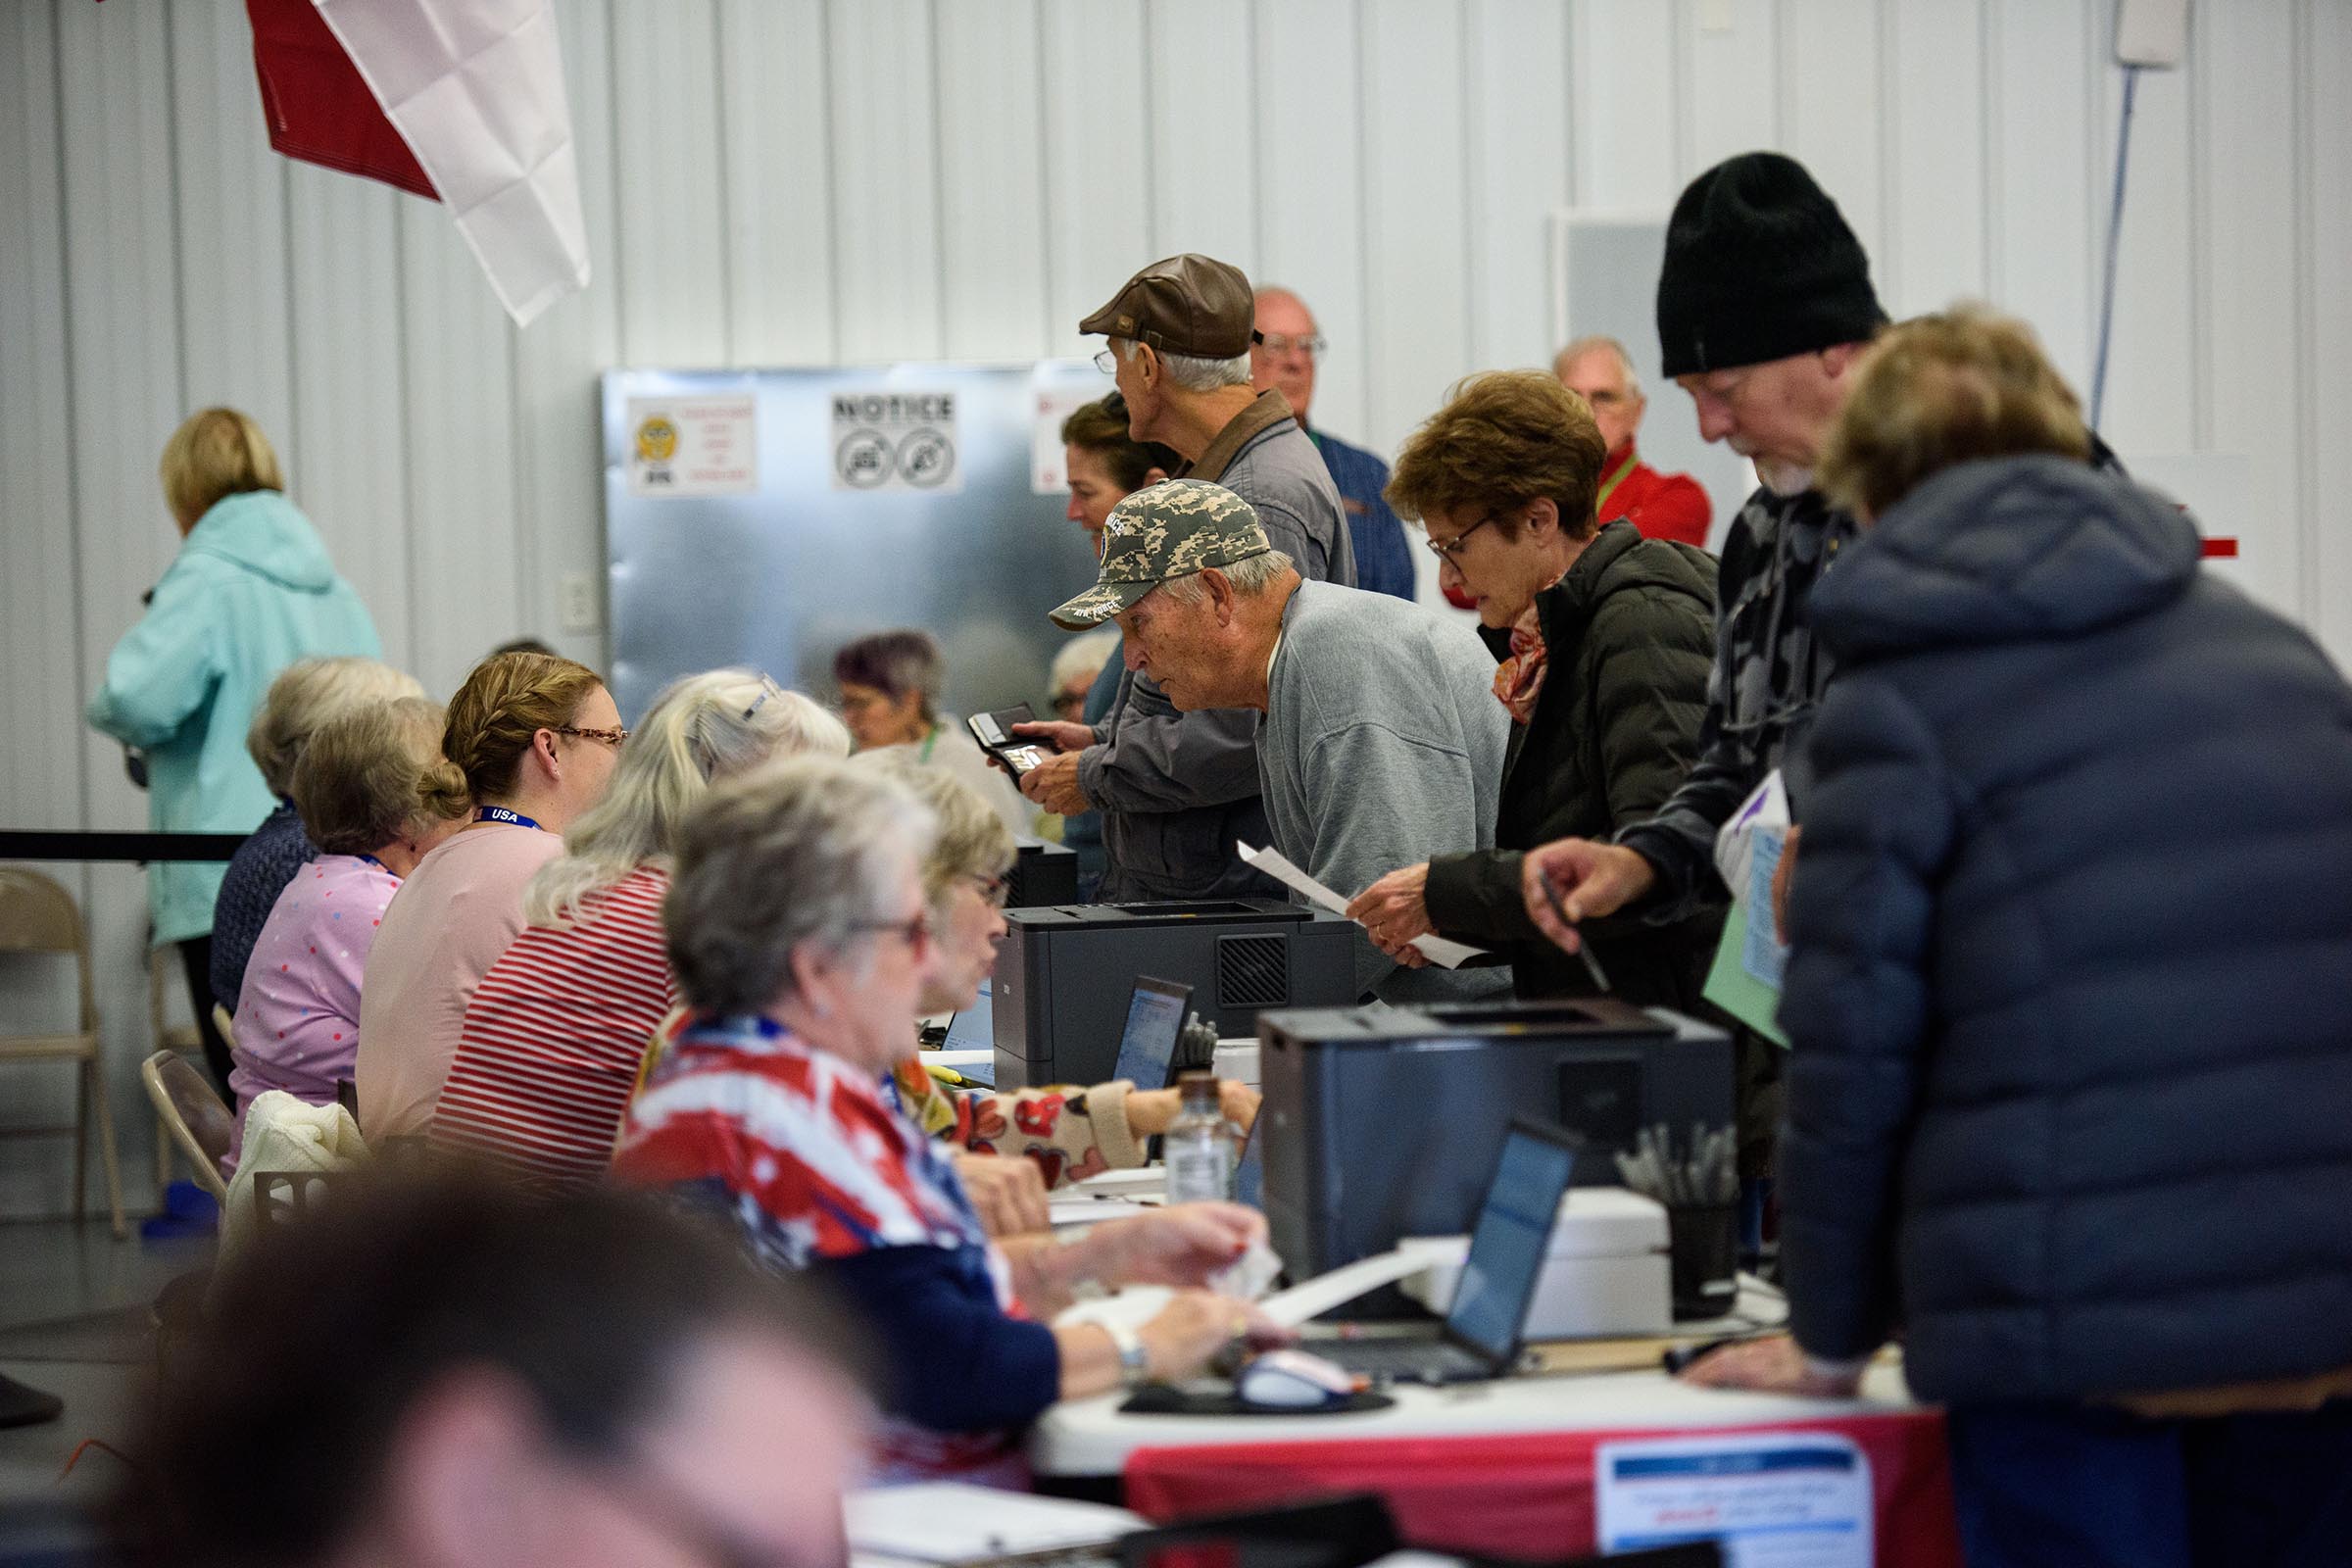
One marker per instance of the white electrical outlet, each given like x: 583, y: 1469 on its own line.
x: 1715, y: 15
x: 581, y: 610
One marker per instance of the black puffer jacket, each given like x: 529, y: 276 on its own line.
x: 2071, y: 996
x: 1630, y: 634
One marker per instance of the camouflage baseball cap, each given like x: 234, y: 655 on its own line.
x: 1172, y: 529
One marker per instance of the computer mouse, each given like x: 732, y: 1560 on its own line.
x: 1292, y: 1380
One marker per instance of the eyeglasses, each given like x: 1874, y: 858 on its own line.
x: 768, y: 688
x: 1070, y: 703
x: 1452, y: 549
x: 1107, y: 363
x: 994, y: 889
x: 915, y: 933
x: 610, y: 737
x: 1311, y: 344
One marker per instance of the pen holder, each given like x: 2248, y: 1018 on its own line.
x: 1703, y: 1259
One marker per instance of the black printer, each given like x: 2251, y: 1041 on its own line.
x: 1042, y: 873
x: 1384, y: 1122
x: 1064, y: 976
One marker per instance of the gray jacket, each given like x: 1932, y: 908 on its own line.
x: 1176, y: 789
x: 1382, y: 745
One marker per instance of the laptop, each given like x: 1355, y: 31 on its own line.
x: 975, y: 1029
x: 1482, y: 1334
x: 1148, y: 1044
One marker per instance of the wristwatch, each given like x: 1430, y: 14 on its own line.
x: 1135, y: 1358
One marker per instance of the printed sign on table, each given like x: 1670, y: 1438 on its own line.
x: 894, y: 440
x: 1787, y: 1500
x: 694, y: 446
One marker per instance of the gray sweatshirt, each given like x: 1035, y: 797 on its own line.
x: 1382, y: 745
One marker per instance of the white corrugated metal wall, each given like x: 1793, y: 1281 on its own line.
x: 779, y: 181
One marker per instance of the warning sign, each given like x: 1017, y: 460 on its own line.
x: 895, y: 441
x: 694, y: 446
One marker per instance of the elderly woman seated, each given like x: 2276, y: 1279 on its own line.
x: 557, y: 1031
x: 298, y: 1028
x: 304, y: 697
x: 799, y: 931
x: 1068, y: 1133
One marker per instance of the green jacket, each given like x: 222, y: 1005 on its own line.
x: 1630, y: 633
x: 251, y: 591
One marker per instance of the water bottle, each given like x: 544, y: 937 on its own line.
x: 1199, y: 1145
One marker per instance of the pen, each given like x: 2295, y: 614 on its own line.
x: 1583, y: 948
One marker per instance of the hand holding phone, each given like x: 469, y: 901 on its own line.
x: 1019, y: 754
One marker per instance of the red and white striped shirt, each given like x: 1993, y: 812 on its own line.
x: 555, y: 1035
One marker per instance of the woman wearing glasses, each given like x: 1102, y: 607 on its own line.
x: 556, y: 1033
x: 529, y: 746
x: 1068, y: 1133
x: 801, y: 940
x: 1611, y: 638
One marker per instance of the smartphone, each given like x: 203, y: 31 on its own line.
x: 993, y: 732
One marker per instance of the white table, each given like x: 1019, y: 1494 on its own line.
x: 1090, y: 1438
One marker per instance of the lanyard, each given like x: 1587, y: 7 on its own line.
x: 930, y: 741
x: 500, y: 813
x: 1610, y: 484
x: 373, y: 860
x: 750, y: 1031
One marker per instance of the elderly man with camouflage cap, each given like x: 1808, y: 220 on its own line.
x: 1176, y: 789
x: 1380, y: 744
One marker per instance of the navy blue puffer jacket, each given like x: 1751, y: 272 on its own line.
x: 2071, y: 997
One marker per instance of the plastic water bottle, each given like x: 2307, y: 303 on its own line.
x: 1199, y: 1145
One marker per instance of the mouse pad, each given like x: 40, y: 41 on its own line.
x: 1162, y: 1399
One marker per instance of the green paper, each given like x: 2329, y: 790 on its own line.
x: 1736, y: 992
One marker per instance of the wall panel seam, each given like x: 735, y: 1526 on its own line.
x: 2201, y: 355
x: 179, y: 271
x: 74, y: 497
x: 939, y: 188
x: 620, y: 296
x: 2305, y: 200
x: 726, y: 210
x: 833, y: 225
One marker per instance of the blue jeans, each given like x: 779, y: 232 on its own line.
x: 2083, y: 1487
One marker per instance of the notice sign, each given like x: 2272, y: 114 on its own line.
x: 694, y: 446
x: 895, y: 441
x: 1774, y: 1499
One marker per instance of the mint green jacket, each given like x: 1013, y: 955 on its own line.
x: 251, y: 591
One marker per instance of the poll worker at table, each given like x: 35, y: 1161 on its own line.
x: 1381, y: 744
x: 305, y: 694
x: 1611, y: 639
x: 556, y: 1032
x: 355, y: 788
x: 890, y: 689
x: 801, y: 940
x: 1662, y: 506
x: 250, y: 590
x: 1062, y: 1133
x: 437, y: 1373
x: 529, y: 746
x: 2072, y: 1039
x: 1178, y: 789
x: 1285, y: 356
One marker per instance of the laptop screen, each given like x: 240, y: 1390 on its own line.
x: 1509, y: 1244
x: 1148, y: 1046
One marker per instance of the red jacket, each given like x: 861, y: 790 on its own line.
x: 1659, y: 506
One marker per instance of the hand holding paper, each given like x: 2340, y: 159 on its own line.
x: 1437, y: 949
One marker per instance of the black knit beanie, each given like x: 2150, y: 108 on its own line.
x: 1760, y: 265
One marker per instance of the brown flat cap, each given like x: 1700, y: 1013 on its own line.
x: 1191, y: 305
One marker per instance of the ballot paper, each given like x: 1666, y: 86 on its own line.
x: 1437, y: 949
x: 1312, y: 1299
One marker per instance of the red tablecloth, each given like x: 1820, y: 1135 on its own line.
x: 1529, y: 1494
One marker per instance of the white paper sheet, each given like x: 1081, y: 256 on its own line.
x: 1345, y: 1283
x: 949, y: 1521
x: 1437, y: 949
